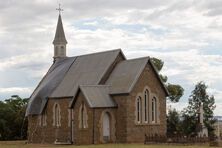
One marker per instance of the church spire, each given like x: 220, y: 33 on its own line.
x: 59, y: 41
x: 59, y: 35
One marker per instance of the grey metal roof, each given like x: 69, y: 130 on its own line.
x: 67, y: 74
x: 125, y: 75
x: 50, y: 81
x: 86, y: 70
x: 97, y: 96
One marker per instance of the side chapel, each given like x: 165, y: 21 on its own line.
x: 96, y: 98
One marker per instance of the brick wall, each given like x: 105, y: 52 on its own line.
x: 93, y: 133
x: 135, y: 133
x: 123, y: 126
x: 48, y: 134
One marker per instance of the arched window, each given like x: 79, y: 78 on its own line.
x: 154, y: 110
x: 138, y: 110
x: 83, y: 116
x: 146, y: 105
x: 57, y: 116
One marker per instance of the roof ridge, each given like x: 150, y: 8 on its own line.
x: 99, y: 52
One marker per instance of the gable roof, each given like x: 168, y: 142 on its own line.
x: 97, y: 96
x: 125, y: 75
x: 86, y: 70
x: 67, y: 74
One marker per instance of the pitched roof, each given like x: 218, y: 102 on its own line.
x: 97, y: 96
x: 67, y: 74
x: 86, y: 70
x: 125, y: 75
x: 59, y: 35
x: 47, y: 85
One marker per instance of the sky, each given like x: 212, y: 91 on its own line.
x: 186, y: 35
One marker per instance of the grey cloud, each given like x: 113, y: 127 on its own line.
x: 27, y: 27
x: 210, y: 7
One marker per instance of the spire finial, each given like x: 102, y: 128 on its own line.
x: 59, y: 9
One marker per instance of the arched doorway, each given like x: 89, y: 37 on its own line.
x: 106, y: 127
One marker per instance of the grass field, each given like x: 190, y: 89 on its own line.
x: 21, y: 144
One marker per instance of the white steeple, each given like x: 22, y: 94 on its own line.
x: 59, y: 41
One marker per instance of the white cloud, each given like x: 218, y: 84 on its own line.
x: 21, y: 91
x: 13, y: 89
x: 24, y: 61
x: 93, y: 23
x: 185, y: 34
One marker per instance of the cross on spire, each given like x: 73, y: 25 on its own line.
x: 59, y: 9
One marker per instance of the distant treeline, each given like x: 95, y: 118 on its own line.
x: 13, y: 125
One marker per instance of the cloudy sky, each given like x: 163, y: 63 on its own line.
x: 186, y: 35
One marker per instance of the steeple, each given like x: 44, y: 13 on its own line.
x: 59, y: 41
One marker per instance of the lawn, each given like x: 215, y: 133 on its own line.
x: 21, y: 144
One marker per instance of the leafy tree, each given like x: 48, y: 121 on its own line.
x: 188, y: 125
x: 173, y: 122
x: 176, y: 91
x: 199, y: 94
x: 12, y: 113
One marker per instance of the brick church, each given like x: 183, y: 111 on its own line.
x: 96, y: 98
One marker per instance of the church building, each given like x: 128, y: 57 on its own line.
x: 96, y: 98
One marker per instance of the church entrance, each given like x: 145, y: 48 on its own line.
x: 106, y: 127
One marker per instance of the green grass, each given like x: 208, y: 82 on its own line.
x: 21, y: 144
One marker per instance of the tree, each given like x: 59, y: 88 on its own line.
x: 173, y: 122
x: 175, y: 91
x: 188, y: 125
x: 12, y: 113
x: 199, y: 95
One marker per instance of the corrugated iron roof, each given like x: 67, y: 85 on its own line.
x: 97, y: 96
